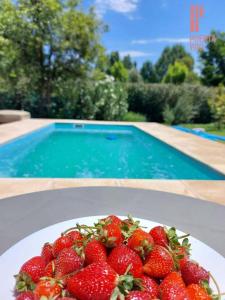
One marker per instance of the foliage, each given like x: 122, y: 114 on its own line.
x: 134, y: 117
x: 168, y: 115
x: 127, y: 62
x: 153, y: 99
x: 218, y: 106
x: 169, y: 56
x: 114, y: 57
x: 119, y: 72
x: 134, y: 76
x: 110, y: 100
x: 148, y: 72
x: 52, y: 40
x: 213, y: 60
x: 176, y: 73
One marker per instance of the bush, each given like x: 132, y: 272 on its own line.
x: 134, y: 117
x: 81, y: 99
x: 155, y: 100
x: 168, y: 115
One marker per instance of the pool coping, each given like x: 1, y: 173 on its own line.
x: 208, y: 152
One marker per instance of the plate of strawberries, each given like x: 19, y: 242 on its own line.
x: 111, y: 258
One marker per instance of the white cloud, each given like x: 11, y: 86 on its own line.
x: 120, y: 6
x: 134, y: 53
x: 162, y: 40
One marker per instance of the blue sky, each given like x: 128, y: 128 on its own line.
x: 142, y: 28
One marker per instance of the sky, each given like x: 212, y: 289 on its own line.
x: 142, y: 28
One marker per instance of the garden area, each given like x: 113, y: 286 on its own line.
x: 53, y: 64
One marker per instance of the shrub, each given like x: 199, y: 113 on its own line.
x: 134, y: 117
x: 153, y: 99
x: 217, y: 105
x: 110, y: 99
x: 168, y: 115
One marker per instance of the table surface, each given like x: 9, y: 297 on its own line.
x: 25, y: 214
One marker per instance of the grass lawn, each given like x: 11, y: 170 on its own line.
x: 210, y: 128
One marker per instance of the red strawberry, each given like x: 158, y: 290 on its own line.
x: 49, y: 288
x: 95, y: 282
x: 181, y: 256
x: 111, y: 220
x: 60, y: 244
x: 95, y: 251
x: 149, y: 285
x: 141, y: 242
x: 111, y: 235
x: 173, y: 288
x: 30, y: 273
x: 196, y: 292
x: 138, y: 295
x: 67, y: 262
x: 50, y: 269
x: 25, y: 296
x: 76, y: 237
x: 159, y: 236
x: 159, y: 263
x: 123, y: 257
x: 46, y: 253
x: 193, y: 273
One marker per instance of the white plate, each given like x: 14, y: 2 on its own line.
x: 12, y: 260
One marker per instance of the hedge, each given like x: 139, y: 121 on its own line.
x: 152, y: 99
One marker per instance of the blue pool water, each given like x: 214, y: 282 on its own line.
x: 97, y: 151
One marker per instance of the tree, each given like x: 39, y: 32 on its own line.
x: 43, y: 43
x: 177, y: 73
x: 127, y: 62
x: 148, y: 72
x: 213, y: 60
x: 119, y: 72
x: 134, y: 76
x: 169, y: 56
x: 114, y: 57
x: 218, y: 106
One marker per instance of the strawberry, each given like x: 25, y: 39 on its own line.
x: 138, y: 295
x: 94, y: 282
x: 25, y: 296
x: 149, y: 285
x: 49, y: 288
x: 50, y: 269
x: 111, y: 235
x: 95, y: 251
x: 46, y: 253
x: 75, y: 236
x: 196, y: 292
x: 123, y: 257
x: 194, y: 273
x: 159, y: 236
x: 173, y: 288
x: 67, y: 262
x: 141, y: 242
x: 30, y: 273
x: 180, y: 256
x: 159, y: 263
x: 111, y: 220
x: 60, y: 244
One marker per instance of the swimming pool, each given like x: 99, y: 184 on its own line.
x: 67, y: 150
